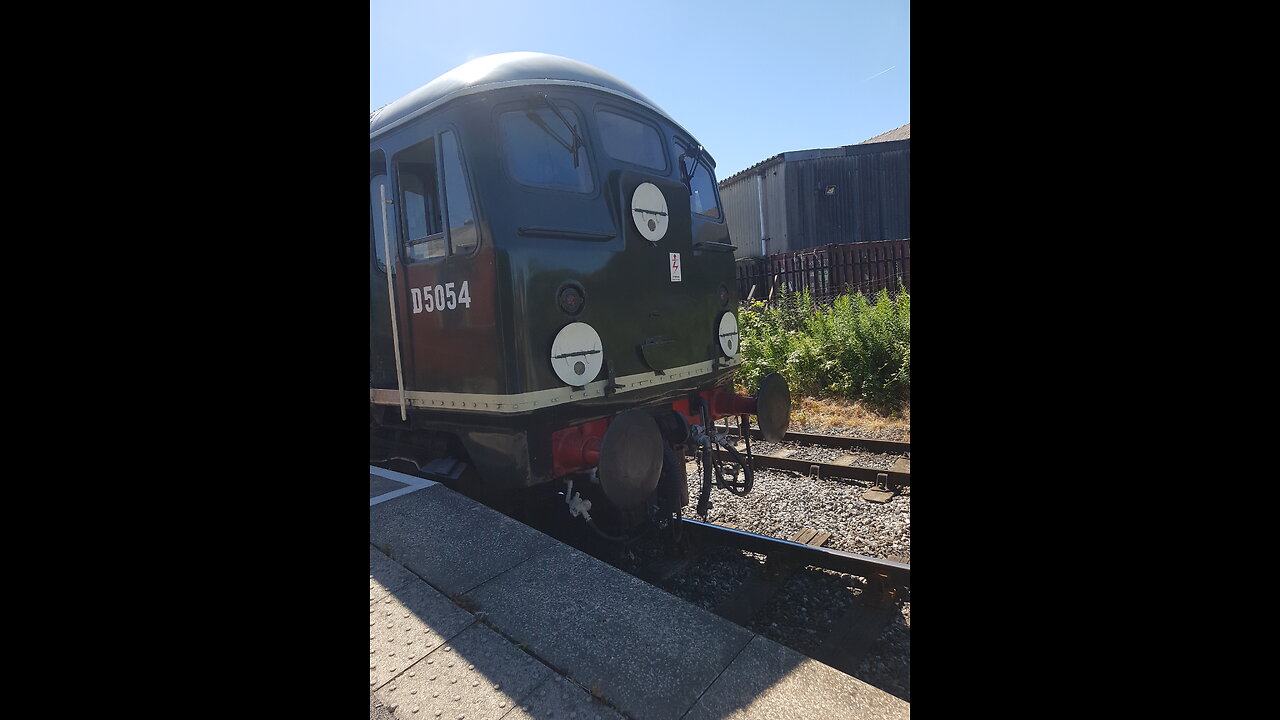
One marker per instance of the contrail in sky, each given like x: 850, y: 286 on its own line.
x: 881, y: 72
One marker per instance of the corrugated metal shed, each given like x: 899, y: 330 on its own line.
x: 807, y: 198
x: 757, y: 200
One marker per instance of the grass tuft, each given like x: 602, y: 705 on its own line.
x: 826, y: 414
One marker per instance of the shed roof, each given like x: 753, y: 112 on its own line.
x: 899, y: 133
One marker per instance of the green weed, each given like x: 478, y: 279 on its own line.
x: 849, y: 348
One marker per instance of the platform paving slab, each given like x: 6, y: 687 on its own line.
x: 378, y: 711
x: 407, y: 624
x: 450, y: 541
x: 559, y: 698
x: 379, y: 485
x: 385, y: 575
x: 644, y: 652
x: 478, y: 675
x: 649, y: 653
x: 387, y: 484
x: 768, y: 680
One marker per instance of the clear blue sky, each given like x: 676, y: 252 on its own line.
x: 749, y: 78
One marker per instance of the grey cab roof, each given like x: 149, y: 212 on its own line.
x: 497, y: 71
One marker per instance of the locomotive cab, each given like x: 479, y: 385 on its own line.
x: 553, y: 293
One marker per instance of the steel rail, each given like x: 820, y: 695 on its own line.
x: 895, y: 447
x: 898, y: 574
x: 830, y: 470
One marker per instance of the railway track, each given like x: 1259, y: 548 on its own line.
x: 892, y: 447
x: 841, y: 608
x: 847, y: 643
x: 892, y: 479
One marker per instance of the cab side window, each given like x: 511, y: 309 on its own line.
x: 380, y: 190
x: 462, y: 221
x: 703, y: 198
x: 420, y: 202
x: 435, y: 202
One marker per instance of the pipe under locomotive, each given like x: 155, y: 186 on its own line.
x: 553, y: 299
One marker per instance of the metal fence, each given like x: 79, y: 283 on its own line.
x: 828, y: 270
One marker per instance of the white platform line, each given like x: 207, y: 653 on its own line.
x: 414, y: 483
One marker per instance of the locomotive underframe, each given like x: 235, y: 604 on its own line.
x: 513, y: 450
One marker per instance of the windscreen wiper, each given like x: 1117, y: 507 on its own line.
x: 573, y: 129
x: 695, y: 153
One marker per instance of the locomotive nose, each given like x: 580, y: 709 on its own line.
x: 630, y: 459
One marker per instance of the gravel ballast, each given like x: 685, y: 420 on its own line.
x: 811, y: 603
